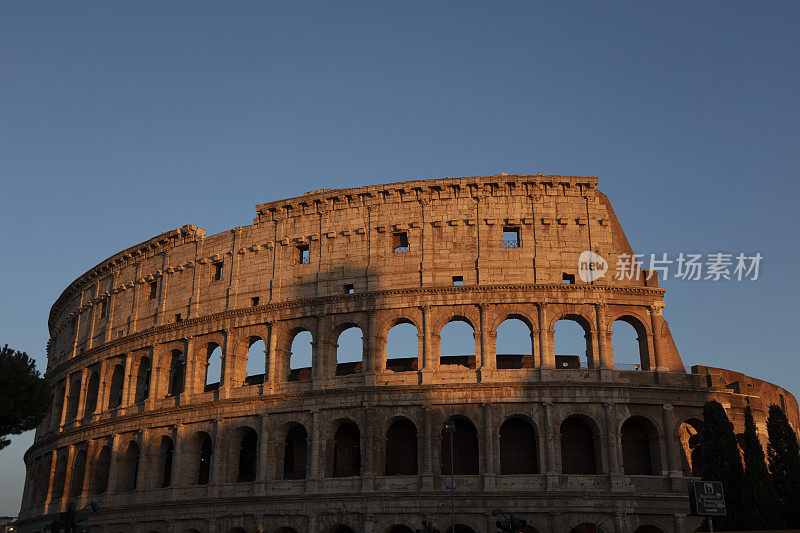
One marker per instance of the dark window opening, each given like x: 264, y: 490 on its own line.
x: 458, y: 281
x: 295, y: 450
x: 465, y: 448
x: 129, y: 470
x: 78, y: 472
x: 167, y: 455
x: 303, y: 254
x: 518, y: 447
x: 577, y: 447
x: 347, y: 451
x: 783, y: 403
x: 115, y: 390
x: 349, y: 288
x: 143, y: 380
x: 178, y: 317
x: 92, y: 390
x: 177, y: 373
x: 254, y: 301
x: 153, y: 290
x: 511, y: 237
x: 568, y: 279
x: 103, y: 308
x: 400, y: 242
x: 204, y: 468
x: 401, y: 449
x: 217, y: 272
x: 636, y: 448
x: 248, y: 452
x: 100, y: 470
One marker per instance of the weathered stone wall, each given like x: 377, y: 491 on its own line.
x: 180, y: 294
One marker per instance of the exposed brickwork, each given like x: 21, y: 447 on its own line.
x: 169, y: 301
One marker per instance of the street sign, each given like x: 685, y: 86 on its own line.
x: 706, y: 498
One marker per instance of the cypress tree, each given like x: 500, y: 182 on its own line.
x: 784, y: 465
x: 723, y: 462
x: 759, y: 500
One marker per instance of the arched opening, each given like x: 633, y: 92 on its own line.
x: 690, y: 434
x: 464, y: 445
x: 572, y: 343
x: 74, y: 396
x: 629, y: 342
x: 295, y: 453
x: 639, y: 447
x: 256, y: 367
x: 100, y: 469
x: 129, y: 468
x: 341, y: 528
x: 166, y: 453
x: 286, y: 530
x: 647, y: 529
x: 578, y: 449
x: 213, y: 367
x: 457, y: 344
x: 58, y: 406
x: 518, y: 447
x: 237, y: 530
x: 92, y: 389
x: 349, y: 351
x: 78, y: 473
x: 300, y: 358
x: 59, y: 478
x: 142, y: 380
x: 115, y: 387
x: 177, y: 372
x: 204, y: 461
x: 248, y: 454
x: 400, y: 528
x: 514, y: 345
x: 347, y: 450
x: 402, y: 347
x: 401, y: 449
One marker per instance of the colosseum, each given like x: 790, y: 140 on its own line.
x: 199, y: 384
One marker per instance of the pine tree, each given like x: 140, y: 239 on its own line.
x: 723, y: 462
x: 759, y: 500
x: 784, y: 465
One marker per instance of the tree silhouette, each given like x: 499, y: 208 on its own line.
x: 760, y: 501
x: 784, y: 465
x: 722, y: 462
x: 24, y: 395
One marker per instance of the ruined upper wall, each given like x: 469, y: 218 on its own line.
x: 454, y: 228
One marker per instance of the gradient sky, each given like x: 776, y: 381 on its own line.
x: 119, y: 121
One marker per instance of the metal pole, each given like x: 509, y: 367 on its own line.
x: 710, y: 525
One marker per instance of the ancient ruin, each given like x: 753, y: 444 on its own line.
x: 182, y: 402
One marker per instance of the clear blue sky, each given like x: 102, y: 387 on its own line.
x: 122, y: 120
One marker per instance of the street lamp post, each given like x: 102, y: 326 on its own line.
x: 450, y: 427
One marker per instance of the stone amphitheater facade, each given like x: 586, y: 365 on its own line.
x: 360, y: 447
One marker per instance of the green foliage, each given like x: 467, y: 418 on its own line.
x: 723, y: 462
x: 784, y: 465
x: 759, y: 500
x: 24, y: 395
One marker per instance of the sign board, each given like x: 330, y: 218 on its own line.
x: 706, y: 498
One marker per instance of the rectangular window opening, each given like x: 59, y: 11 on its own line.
x: 178, y: 317
x: 349, y: 288
x: 217, y: 272
x: 103, y: 308
x: 458, y: 281
x: 400, y: 242
x: 568, y: 279
x: 511, y: 237
x: 254, y: 301
x: 303, y: 254
x: 153, y: 289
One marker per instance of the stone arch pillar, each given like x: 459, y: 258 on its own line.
x: 605, y: 355
x: 546, y: 351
